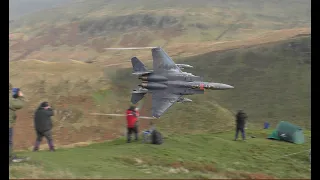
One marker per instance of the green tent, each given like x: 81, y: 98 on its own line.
x: 288, y: 132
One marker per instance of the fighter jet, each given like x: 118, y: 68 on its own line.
x: 167, y: 83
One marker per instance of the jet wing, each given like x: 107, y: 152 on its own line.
x: 162, y: 101
x: 137, y: 94
x: 162, y: 62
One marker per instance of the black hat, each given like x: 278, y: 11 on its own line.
x: 44, y: 104
x: 132, y: 108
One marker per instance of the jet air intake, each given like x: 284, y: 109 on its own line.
x: 153, y: 85
x: 184, y: 66
x: 183, y: 100
x: 155, y: 78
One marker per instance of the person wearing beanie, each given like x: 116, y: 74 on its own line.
x: 43, y: 125
x: 132, y: 119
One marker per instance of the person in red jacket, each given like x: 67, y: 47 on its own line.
x: 132, y: 118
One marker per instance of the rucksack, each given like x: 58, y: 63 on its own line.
x: 156, y: 137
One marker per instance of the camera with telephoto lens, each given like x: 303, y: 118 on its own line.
x: 15, y: 92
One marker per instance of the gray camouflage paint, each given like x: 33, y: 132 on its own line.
x: 167, y: 83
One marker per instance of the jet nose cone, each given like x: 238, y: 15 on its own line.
x: 220, y: 86
x: 226, y: 86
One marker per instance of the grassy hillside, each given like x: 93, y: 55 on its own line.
x: 191, y: 156
x: 262, y: 48
x: 272, y: 83
x: 80, y: 31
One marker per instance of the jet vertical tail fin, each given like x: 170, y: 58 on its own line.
x: 138, y: 67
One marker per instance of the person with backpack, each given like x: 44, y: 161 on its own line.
x: 132, y: 123
x: 16, y: 102
x: 43, y: 125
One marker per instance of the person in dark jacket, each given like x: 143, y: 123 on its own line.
x: 240, y: 123
x: 132, y: 119
x: 43, y: 125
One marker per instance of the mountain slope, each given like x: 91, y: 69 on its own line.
x: 81, y: 30
x: 54, y: 44
x: 272, y: 83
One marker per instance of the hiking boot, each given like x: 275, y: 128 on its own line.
x: 36, y: 146
x: 51, y: 146
x: 19, y: 159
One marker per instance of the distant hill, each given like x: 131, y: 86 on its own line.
x: 82, y: 29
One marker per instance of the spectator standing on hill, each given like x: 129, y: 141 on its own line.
x: 240, y: 123
x: 43, y: 125
x: 132, y: 122
x: 16, y: 102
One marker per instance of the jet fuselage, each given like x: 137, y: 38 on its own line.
x: 179, y: 83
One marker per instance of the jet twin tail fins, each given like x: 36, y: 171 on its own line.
x: 138, y: 67
x: 162, y: 101
x: 162, y: 62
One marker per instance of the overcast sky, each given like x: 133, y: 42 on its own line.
x: 18, y: 8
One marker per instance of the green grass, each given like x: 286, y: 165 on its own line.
x: 189, y: 156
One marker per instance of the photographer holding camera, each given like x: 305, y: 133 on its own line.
x: 43, y: 125
x: 16, y: 102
